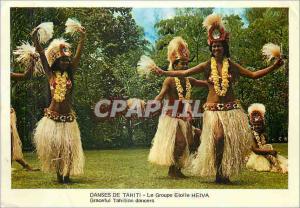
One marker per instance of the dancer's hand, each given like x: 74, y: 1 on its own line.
x: 82, y: 32
x: 36, y: 42
x: 273, y: 152
x: 157, y: 71
x: 279, y: 62
x: 34, y: 35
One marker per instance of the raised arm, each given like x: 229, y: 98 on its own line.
x: 22, y: 76
x: 76, y: 59
x: 18, y: 76
x: 164, y: 89
x: 41, y: 51
x: 256, y: 74
x: 183, y: 73
x: 198, y: 83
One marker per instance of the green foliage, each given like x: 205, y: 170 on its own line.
x: 188, y: 25
x: 265, y: 25
x: 105, y: 70
x: 112, y: 49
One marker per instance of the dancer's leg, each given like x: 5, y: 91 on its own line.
x: 219, y: 142
x: 24, y: 164
x: 67, y: 177
x: 180, y: 145
x: 59, y: 174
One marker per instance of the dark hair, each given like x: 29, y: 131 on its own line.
x: 175, y: 63
x: 226, y: 54
x: 56, y: 67
x: 225, y: 47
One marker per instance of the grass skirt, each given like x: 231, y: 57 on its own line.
x: 58, y: 146
x: 15, y: 138
x: 260, y: 163
x: 237, y: 143
x: 163, y: 144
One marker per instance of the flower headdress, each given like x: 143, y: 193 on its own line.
x: 257, y: 107
x: 57, y: 49
x: 215, y: 29
x: 26, y: 54
x: 177, y: 49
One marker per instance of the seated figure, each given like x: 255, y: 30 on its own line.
x: 263, y: 157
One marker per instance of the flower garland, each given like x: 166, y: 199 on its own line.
x: 260, y: 140
x: 180, y: 89
x: 61, y: 86
x: 215, y: 76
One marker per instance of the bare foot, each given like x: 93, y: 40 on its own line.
x: 180, y: 174
x: 223, y: 180
x: 172, y: 172
x: 67, y: 179
x: 59, y: 178
x: 29, y: 168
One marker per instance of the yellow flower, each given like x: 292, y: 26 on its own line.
x: 180, y: 89
x: 215, y: 76
x: 61, y: 86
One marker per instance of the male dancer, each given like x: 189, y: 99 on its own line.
x: 170, y: 146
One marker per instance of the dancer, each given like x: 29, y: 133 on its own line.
x: 57, y: 136
x: 196, y: 140
x: 226, y: 136
x: 170, y: 146
x: 263, y: 157
x: 16, y: 144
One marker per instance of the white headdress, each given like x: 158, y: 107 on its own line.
x: 56, y: 49
x: 257, y: 107
x: 177, y: 49
x: 45, y: 31
x: 26, y: 54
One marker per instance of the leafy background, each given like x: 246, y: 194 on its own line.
x: 108, y: 67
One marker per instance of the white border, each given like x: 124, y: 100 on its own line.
x: 80, y: 197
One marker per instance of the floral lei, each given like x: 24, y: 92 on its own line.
x: 260, y: 140
x: 215, y: 76
x: 180, y: 89
x: 61, y: 86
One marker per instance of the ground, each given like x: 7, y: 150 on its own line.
x: 129, y: 169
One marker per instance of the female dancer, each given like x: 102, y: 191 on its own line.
x: 226, y: 136
x: 170, y: 146
x: 16, y: 144
x: 57, y: 136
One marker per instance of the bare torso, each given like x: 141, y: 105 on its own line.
x: 172, y: 93
x: 63, y: 107
x: 212, y: 96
